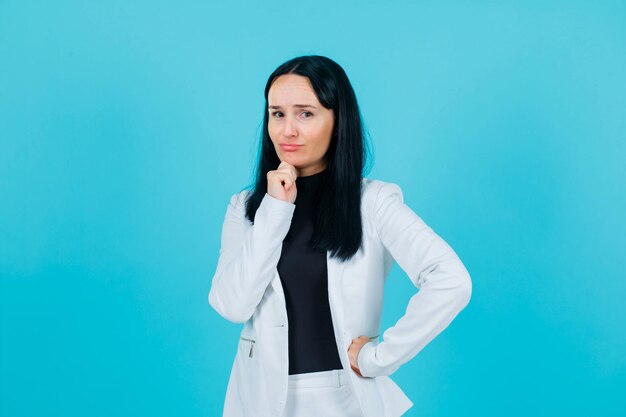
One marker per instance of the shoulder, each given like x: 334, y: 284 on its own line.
x: 241, y: 196
x: 375, y: 191
x: 237, y: 201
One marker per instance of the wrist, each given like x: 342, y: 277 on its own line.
x: 364, y: 359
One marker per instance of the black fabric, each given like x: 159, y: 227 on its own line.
x: 304, y: 277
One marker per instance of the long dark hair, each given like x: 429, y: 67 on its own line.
x: 338, y: 227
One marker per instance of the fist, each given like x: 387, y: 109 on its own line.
x: 281, y: 183
x: 353, y: 352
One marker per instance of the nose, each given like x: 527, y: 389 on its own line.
x: 289, y: 127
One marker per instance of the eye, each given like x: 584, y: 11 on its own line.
x: 275, y: 113
x: 307, y: 112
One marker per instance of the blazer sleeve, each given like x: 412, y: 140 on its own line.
x: 248, y: 256
x: 434, y: 268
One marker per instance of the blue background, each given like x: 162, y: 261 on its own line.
x: 125, y: 126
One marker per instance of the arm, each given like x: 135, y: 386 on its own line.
x: 434, y: 268
x: 247, y: 261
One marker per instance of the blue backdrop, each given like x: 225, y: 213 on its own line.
x: 125, y: 126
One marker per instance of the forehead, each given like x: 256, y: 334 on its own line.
x: 289, y: 89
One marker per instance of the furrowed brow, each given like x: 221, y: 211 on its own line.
x: 295, y: 105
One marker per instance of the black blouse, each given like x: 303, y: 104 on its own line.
x: 304, y: 277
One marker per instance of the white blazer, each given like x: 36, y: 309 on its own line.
x: 246, y: 288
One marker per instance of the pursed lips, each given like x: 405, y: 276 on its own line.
x: 290, y: 146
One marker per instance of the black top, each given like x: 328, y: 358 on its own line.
x: 304, y: 277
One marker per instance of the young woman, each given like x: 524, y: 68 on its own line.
x: 304, y: 258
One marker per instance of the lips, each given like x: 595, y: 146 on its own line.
x: 289, y: 147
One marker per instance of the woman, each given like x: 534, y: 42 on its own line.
x: 305, y: 255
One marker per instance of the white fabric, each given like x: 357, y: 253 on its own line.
x: 246, y: 288
x: 321, y: 394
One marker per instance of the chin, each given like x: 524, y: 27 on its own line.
x: 289, y: 159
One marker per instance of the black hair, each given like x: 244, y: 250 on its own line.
x: 338, y: 226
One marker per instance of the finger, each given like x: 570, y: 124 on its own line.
x: 288, y: 168
x: 282, y: 177
x: 294, y: 171
x: 288, y: 182
x: 284, y: 166
x: 286, y: 175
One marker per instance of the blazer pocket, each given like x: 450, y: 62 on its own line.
x: 250, y: 340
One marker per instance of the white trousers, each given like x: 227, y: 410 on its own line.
x: 321, y: 394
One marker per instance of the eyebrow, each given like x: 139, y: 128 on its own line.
x: 295, y: 105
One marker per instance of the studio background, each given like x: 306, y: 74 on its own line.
x: 126, y: 126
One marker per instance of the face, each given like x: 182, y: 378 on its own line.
x: 299, y: 126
